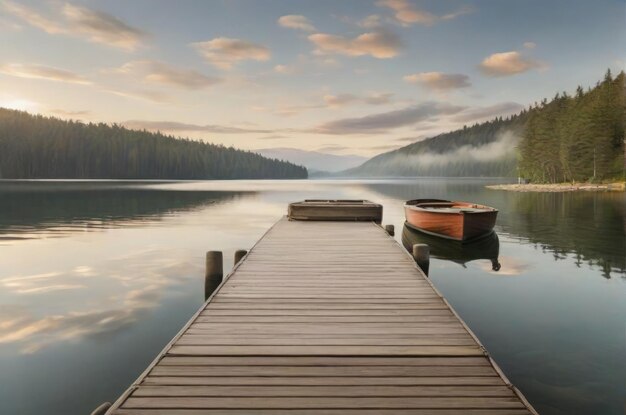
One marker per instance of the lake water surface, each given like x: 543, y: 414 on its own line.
x: 96, y: 277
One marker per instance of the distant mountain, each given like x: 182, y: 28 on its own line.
x: 313, y: 160
x: 486, y: 149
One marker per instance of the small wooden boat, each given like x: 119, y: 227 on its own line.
x: 460, y: 221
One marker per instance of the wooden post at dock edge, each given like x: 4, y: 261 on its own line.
x: 390, y: 230
x: 102, y: 409
x: 239, y: 254
x: 214, y: 272
x: 421, y: 254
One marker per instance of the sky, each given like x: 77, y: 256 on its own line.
x: 342, y: 77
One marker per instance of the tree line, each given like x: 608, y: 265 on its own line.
x: 570, y: 138
x: 39, y: 147
x: 577, y: 138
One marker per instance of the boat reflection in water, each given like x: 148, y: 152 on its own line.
x: 486, y: 247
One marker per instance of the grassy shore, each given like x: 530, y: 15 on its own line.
x: 562, y: 187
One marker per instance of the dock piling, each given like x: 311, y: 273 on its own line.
x: 421, y: 254
x: 102, y: 409
x: 214, y: 272
x: 239, y: 254
x: 390, y: 230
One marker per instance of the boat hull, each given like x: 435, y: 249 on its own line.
x: 460, y: 226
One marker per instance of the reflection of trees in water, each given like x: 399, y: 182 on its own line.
x: 591, y: 227
x: 59, y: 209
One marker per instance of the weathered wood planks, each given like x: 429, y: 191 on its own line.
x: 324, y: 318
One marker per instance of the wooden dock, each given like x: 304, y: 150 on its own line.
x: 324, y: 318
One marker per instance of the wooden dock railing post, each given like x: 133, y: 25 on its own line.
x: 421, y: 254
x: 102, y: 409
x: 390, y: 230
x: 214, y: 272
x: 239, y: 254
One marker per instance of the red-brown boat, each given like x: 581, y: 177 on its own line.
x: 461, y: 221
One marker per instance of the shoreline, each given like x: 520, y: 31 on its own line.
x: 561, y: 187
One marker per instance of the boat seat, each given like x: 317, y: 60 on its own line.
x: 435, y: 204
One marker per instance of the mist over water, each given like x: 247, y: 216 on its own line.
x: 503, y: 147
x: 96, y: 277
x: 497, y: 157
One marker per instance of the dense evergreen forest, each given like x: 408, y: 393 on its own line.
x: 38, y: 147
x: 578, y: 137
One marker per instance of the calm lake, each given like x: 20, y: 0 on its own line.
x: 96, y: 277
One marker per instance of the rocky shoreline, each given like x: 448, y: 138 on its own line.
x: 561, y: 187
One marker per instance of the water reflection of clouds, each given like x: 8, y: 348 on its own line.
x: 510, y: 266
x: 41, y: 283
x: 142, y: 277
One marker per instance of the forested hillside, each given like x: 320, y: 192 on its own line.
x: 486, y: 149
x: 579, y: 137
x: 38, y: 147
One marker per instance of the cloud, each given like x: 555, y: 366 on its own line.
x: 183, y: 78
x: 340, y: 100
x: 284, y: 69
x: 406, y: 13
x: 530, y: 45
x: 507, y: 64
x: 95, y: 26
x: 224, y: 52
x: 296, y: 21
x: 272, y: 137
x: 66, y: 113
x: 9, y: 24
x: 496, y: 110
x: 370, y: 22
x: 291, y: 110
x: 378, y: 98
x: 162, y: 73
x: 381, y: 44
x: 439, y: 80
x: 331, y: 101
x: 459, y: 12
x: 305, y: 64
x: 379, y: 123
x: 103, y: 28
x: 142, y: 95
x: 42, y: 72
x: 33, y: 18
x: 179, y: 126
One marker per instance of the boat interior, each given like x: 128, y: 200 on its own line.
x: 448, y: 206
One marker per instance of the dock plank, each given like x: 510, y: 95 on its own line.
x: 324, y: 318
